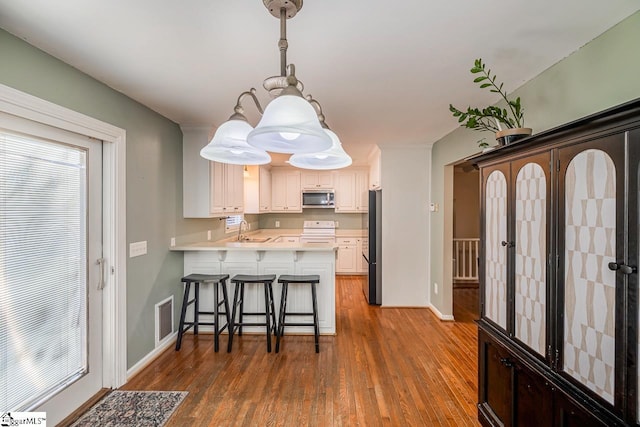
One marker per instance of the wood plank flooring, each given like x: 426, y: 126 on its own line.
x: 384, y: 367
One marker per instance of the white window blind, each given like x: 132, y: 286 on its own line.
x: 233, y: 222
x: 43, y: 268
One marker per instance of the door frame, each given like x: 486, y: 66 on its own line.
x: 114, y: 308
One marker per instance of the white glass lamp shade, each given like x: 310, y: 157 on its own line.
x: 289, y: 125
x: 333, y: 158
x: 229, y: 145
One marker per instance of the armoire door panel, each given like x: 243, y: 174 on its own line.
x: 591, y: 223
x: 531, y: 200
x: 496, y: 246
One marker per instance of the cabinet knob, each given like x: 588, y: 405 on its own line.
x: 625, y: 269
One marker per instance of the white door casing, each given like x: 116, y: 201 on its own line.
x: 26, y: 106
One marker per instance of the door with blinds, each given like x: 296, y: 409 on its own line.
x: 50, y: 268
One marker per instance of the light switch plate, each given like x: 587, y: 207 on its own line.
x: 137, y: 249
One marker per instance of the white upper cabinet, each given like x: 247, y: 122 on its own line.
x: 352, y: 187
x: 285, y: 190
x: 265, y: 190
x: 312, y: 180
x: 257, y: 190
x: 209, y: 189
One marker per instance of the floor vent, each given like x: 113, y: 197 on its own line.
x: 164, y: 320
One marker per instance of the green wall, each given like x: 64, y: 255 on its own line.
x: 603, y: 73
x: 348, y: 221
x: 154, y: 177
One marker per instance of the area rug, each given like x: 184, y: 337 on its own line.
x: 132, y: 408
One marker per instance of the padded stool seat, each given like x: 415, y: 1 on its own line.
x: 196, y: 279
x: 238, y: 301
x: 312, y: 280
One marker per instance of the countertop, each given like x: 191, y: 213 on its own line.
x: 231, y: 243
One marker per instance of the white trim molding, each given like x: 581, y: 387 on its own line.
x: 439, y: 315
x: 26, y: 106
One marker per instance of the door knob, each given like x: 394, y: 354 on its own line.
x: 613, y: 266
x: 508, y: 244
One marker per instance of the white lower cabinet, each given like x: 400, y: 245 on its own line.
x: 347, y: 255
x: 363, y: 248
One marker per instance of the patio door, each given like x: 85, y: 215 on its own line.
x: 50, y: 268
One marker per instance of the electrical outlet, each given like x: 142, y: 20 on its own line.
x: 277, y: 224
x: 208, y: 234
x: 435, y: 288
x: 337, y: 224
x: 173, y: 241
x: 137, y: 249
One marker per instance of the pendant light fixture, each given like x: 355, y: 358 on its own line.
x: 229, y: 144
x: 289, y: 124
x: 333, y: 158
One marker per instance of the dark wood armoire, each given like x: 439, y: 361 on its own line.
x: 558, y: 328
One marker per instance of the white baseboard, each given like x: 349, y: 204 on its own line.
x: 169, y: 341
x: 447, y: 317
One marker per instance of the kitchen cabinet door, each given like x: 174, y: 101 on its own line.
x: 265, y: 190
x: 286, y: 194
x: 314, y: 180
x: 363, y: 248
x: 234, y: 189
x: 345, y: 191
x: 347, y: 261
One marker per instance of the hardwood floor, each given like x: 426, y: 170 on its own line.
x: 384, y: 367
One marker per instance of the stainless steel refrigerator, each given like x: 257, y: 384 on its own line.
x: 372, y: 253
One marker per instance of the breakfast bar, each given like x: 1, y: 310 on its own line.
x: 279, y: 258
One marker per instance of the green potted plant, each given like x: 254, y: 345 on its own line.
x: 507, y: 123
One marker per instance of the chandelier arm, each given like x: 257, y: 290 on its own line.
x: 238, y: 109
x: 316, y: 105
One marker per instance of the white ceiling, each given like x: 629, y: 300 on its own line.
x: 384, y: 71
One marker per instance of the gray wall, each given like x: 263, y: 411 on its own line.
x: 154, y: 176
x: 601, y: 74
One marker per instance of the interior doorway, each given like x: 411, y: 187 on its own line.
x: 465, y: 241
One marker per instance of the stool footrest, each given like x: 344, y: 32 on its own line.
x: 299, y: 314
x: 297, y: 324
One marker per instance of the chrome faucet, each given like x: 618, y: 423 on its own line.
x: 240, y: 229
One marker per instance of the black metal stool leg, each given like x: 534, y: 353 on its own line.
x: 267, y: 317
x: 216, y: 322
x: 183, y: 312
x: 196, y: 311
x: 273, y: 309
x: 241, y: 316
x: 232, y: 326
x: 283, y: 309
x: 316, y: 326
x: 225, y: 295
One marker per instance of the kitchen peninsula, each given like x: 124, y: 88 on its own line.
x: 266, y: 254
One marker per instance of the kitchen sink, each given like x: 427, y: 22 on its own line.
x: 255, y: 239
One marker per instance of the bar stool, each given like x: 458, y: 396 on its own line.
x: 238, y: 300
x: 312, y: 280
x: 196, y: 279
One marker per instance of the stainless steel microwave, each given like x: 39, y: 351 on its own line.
x: 318, y: 199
